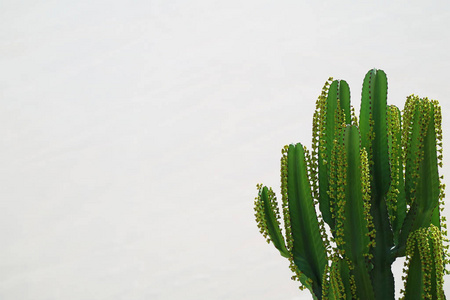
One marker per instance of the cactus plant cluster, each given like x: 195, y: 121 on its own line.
x: 367, y: 192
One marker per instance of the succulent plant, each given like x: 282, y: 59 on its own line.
x: 368, y: 192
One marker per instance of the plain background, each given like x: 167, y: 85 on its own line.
x: 133, y: 133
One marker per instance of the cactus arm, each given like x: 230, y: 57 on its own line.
x: 436, y: 219
x: 373, y: 128
x: 268, y: 216
x: 338, y: 101
x: 411, y: 144
x: 380, y: 143
x: 425, y: 188
x: 365, y: 116
x: 332, y: 109
x: 319, y: 142
x: 424, y: 265
x: 308, y: 249
x: 428, y: 183
x: 437, y: 267
x: 396, y: 201
x: 356, y: 233
x: 344, y: 100
x: 356, y: 240
x: 327, y: 110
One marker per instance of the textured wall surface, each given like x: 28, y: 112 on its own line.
x: 133, y: 133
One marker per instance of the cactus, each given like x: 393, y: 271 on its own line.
x: 369, y: 191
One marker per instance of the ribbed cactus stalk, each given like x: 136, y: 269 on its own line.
x: 372, y: 184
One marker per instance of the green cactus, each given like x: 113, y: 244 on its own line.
x: 372, y: 184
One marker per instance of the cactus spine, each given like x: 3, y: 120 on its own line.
x: 375, y: 183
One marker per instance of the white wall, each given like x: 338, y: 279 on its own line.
x: 132, y: 133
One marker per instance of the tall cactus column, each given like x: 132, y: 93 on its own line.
x: 375, y: 184
x: 373, y: 124
x: 354, y: 227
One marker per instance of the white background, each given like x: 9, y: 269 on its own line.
x: 133, y: 133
